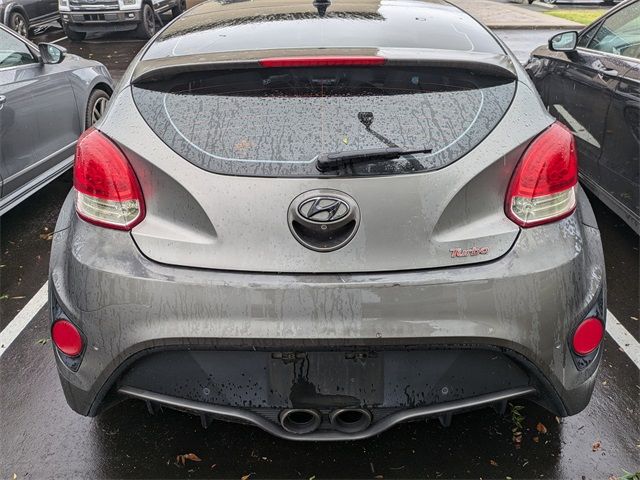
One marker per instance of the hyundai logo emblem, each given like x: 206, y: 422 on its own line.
x: 324, y: 209
x: 323, y: 220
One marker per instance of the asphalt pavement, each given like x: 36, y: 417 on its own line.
x: 41, y: 437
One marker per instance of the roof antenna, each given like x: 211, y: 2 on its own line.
x: 322, y: 6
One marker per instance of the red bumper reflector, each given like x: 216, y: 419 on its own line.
x: 66, y: 338
x: 588, y: 336
x: 320, y: 61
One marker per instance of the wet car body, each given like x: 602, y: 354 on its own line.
x: 43, y: 109
x: 227, y: 298
x: 596, y: 92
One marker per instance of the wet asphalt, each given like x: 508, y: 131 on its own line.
x: 40, y: 437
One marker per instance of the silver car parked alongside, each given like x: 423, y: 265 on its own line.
x: 47, y: 99
x: 325, y: 218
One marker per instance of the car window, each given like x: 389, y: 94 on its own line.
x: 277, y: 121
x: 620, y: 33
x: 586, y: 37
x: 13, y: 51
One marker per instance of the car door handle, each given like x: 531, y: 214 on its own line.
x: 610, y: 72
x: 2, y: 100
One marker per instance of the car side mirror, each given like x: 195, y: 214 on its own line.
x: 51, y: 54
x: 564, y: 42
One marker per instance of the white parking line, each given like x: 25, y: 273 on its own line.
x: 22, y: 319
x: 615, y: 329
x: 623, y: 338
x: 59, y: 40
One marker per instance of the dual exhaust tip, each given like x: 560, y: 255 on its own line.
x: 307, y: 420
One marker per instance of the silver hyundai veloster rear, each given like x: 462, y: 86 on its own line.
x: 324, y: 219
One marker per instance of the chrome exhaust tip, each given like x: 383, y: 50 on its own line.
x: 350, y: 420
x: 300, y: 420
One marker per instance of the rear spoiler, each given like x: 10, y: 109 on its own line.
x: 154, y: 70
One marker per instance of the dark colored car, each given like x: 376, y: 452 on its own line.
x: 324, y: 219
x: 23, y: 15
x: 590, y: 81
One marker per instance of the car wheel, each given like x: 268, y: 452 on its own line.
x: 180, y: 7
x: 147, y: 26
x: 19, y: 23
x: 96, y: 106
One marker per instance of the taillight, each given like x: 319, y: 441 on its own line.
x: 543, y: 187
x: 321, y: 61
x: 108, y: 192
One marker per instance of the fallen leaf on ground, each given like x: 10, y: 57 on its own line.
x: 246, y: 477
x: 187, y: 456
x: 493, y: 463
x: 43, y: 341
x: 596, y: 446
x: 536, y: 439
x: 517, y: 439
x: 541, y: 428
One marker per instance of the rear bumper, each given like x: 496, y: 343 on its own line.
x: 391, y: 383
x: 442, y: 411
x: 523, y: 306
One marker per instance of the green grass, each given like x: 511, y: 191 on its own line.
x: 629, y: 476
x: 584, y: 17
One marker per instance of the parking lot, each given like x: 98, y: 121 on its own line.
x: 42, y: 438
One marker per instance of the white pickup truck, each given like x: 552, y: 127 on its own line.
x: 79, y: 17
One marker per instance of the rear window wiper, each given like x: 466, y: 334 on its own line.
x: 334, y: 161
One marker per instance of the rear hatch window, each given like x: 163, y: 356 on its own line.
x: 275, y: 122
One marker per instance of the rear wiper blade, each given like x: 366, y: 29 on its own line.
x: 334, y: 161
